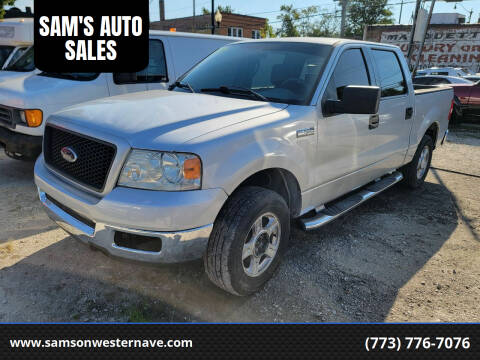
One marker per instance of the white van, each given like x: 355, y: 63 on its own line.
x: 16, y: 36
x: 26, y: 102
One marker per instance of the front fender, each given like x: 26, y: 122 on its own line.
x: 233, y: 154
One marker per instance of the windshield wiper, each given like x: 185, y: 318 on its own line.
x: 238, y: 90
x: 181, y: 86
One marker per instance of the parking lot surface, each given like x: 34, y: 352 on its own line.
x: 402, y: 256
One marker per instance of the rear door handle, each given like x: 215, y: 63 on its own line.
x: 408, y: 113
x: 374, y: 122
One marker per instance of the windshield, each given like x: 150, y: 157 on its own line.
x: 5, y: 52
x: 72, y: 76
x: 23, y: 63
x: 283, y: 72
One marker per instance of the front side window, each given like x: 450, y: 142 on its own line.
x: 424, y: 80
x: 156, y: 71
x: 284, y: 72
x: 350, y: 70
x: 392, y: 81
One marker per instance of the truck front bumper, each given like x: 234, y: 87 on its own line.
x: 20, y: 145
x: 133, y: 212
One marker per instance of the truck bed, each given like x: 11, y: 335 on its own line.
x: 432, y: 106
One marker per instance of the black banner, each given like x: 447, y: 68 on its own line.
x: 91, y: 36
x: 221, y: 341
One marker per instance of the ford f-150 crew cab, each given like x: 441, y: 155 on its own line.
x: 26, y: 101
x: 254, y: 135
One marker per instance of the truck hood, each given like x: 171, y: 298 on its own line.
x: 162, y: 119
x: 34, y: 91
x: 9, y: 75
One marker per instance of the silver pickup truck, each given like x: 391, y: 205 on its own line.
x: 255, y: 135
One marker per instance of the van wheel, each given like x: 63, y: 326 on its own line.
x: 416, y: 172
x: 248, y: 240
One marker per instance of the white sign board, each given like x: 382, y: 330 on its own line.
x: 450, y: 47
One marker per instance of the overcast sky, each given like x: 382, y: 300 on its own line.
x: 270, y: 8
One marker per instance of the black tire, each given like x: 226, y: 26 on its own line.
x: 410, y: 174
x: 223, y: 259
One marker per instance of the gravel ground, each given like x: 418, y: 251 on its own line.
x: 402, y: 256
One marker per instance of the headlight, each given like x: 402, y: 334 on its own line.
x: 153, y: 170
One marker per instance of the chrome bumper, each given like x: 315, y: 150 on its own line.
x: 176, y: 246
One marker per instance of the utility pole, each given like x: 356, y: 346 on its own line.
x: 470, y: 17
x: 344, y: 17
x: 213, y: 16
x: 412, y: 33
x: 193, y: 19
x: 423, y: 38
x: 162, y: 10
x: 401, y: 10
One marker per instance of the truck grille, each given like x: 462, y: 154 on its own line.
x: 93, y: 157
x: 6, y: 116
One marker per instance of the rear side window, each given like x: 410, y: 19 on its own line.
x: 392, y: 81
x: 423, y: 81
x: 350, y: 70
x: 156, y: 71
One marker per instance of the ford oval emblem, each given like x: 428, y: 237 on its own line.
x: 68, y: 154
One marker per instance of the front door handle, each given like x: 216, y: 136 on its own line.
x: 374, y: 122
x: 408, y: 113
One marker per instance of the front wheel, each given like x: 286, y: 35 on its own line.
x: 248, y: 240
x: 416, y: 172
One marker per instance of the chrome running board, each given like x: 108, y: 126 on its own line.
x: 335, y: 209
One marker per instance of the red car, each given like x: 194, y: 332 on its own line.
x: 469, y: 97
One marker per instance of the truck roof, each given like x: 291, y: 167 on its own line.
x: 195, y: 35
x: 325, y: 41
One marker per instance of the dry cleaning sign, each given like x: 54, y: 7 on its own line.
x: 100, y: 36
x: 450, y: 47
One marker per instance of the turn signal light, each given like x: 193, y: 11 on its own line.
x: 192, y: 169
x: 33, y: 118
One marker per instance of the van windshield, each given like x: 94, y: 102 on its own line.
x: 284, y: 72
x: 5, y: 52
x: 24, y: 63
x: 72, y: 76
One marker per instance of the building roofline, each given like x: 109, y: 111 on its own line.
x: 201, y: 15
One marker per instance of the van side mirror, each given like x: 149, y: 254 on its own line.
x: 356, y: 100
x: 125, y: 78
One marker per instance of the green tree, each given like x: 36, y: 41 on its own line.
x: 267, y: 31
x: 366, y: 12
x: 327, y: 26
x: 289, y: 17
x: 223, y: 9
x: 299, y: 22
x: 4, y: 3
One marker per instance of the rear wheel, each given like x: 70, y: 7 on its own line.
x: 248, y: 240
x: 416, y: 172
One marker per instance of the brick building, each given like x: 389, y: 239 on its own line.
x: 232, y: 25
x: 455, y: 45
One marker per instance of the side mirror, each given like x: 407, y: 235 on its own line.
x: 356, y: 100
x: 125, y: 78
